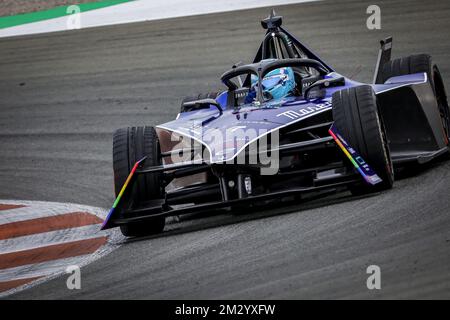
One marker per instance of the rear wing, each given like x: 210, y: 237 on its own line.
x: 384, y: 56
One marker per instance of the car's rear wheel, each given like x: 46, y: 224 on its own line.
x: 355, y: 114
x: 408, y: 65
x: 201, y: 96
x: 422, y: 63
x: 442, y: 102
x: 129, y: 146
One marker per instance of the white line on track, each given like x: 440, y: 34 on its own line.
x: 50, y: 238
x: 34, y: 212
x: 143, y: 10
x: 19, y: 259
x: 41, y: 209
x: 40, y: 269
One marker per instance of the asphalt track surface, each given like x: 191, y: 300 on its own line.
x: 62, y: 95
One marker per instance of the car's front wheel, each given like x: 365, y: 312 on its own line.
x: 129, y: 146
x: 356, y: 117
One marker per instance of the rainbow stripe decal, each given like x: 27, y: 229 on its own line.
x: 358, y: 162
x: 125, y: 185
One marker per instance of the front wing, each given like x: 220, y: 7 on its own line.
x: 122, y: 211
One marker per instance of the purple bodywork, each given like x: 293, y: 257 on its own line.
x: 205, y: 125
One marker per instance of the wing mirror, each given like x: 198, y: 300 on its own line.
x: 322, y: 84
x: 201, y: 104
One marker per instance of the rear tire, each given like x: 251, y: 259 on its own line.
x: 441, y: 99
x: 129, y: 146
x: 422, y: 63
x: 408, y: 65
x: 356, y: 118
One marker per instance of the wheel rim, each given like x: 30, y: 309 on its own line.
x: 445, y: 113
x: 442, y: 103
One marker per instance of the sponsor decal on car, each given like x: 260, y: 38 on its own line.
x: 358, y: 162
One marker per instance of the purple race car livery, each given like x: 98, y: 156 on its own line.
x: 284, y: 126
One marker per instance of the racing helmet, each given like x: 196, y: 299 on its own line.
x: 277, y: 83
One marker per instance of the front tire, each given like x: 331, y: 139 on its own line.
x: 129, y: 146
x: 355, y: 114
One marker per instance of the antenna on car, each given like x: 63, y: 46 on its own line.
x: 272, y: 22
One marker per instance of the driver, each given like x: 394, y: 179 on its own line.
x: 277, y: 84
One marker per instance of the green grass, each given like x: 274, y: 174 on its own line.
x: 11, y: 21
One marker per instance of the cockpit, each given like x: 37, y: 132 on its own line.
x: 271, y: 79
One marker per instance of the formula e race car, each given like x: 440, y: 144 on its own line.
x: 286, y: 126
